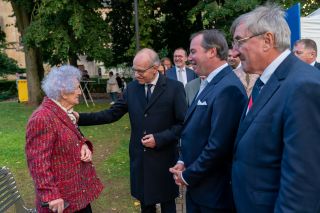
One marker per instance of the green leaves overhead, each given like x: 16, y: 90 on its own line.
x: 64, y: 29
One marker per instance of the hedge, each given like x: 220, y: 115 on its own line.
x: 8, y: 89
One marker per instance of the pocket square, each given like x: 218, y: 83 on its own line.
x: 202, y: 103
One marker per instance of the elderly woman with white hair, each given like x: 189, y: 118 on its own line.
x: 59, y: 157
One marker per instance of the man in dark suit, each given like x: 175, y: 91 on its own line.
x: 210, y: 127
x: 156, y: 107
x: 277, y: 150
x: 306, y: 50
x: 180, y: 72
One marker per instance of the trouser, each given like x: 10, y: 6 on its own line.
x: 166, y: 207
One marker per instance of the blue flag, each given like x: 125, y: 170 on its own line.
x: 293, y: 20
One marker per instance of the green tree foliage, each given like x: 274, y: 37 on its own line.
x: 307, y: 6
x: 66, y: 28
x: 120, y: 19
x: 163, y: 25
x: 220, y: 14
x: 177, y: 26
x: 7, y: 65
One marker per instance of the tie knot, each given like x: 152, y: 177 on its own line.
x: 149, y: 86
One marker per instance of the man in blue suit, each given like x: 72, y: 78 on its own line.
x: 156, y: 107
x: 306, y: 50
x: 180, y: 72
x: 210, y: 127
x: 277, y: 150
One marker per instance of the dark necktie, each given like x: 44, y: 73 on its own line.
x: 255, y: 92
x: 149, y: 92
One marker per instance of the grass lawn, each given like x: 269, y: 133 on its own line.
x: 110, y: 156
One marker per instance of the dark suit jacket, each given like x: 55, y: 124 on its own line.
x: 277, y: 151
x: 151, y: 181
x: 208, y: 137
x: 53, y: 155
x: 172, y: 74
x: 317, y: 65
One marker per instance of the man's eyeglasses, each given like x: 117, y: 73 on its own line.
x: 140, y: 71
x: 238, y: 42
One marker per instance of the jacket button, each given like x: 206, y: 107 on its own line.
x: 144, y: 149
x: 144, y: 132
x: 146, y: 115
x: 77, y: 144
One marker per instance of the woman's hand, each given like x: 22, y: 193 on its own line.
x: 56, y: 205
x: 86, y: 154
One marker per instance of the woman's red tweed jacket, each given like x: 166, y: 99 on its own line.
x: 53, y: 155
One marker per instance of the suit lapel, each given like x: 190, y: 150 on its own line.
x: 158, y: 90
x: 207, y: 90
x: 265, y: 95
x: 174, y: 73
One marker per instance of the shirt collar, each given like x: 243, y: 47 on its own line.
x: 215, y: 72
x: 273, y: 66
x: 58, y: 103
x: 155, y: 80
x: 239, y: 65
x: 69, y: 112
x: 183, y: 69
x: 313, y: 63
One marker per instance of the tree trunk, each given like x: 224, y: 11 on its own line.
x: 73, y: 60
x: 34, y: 63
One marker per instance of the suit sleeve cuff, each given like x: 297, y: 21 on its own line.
x: 180, y: 161
x: 185, y: 182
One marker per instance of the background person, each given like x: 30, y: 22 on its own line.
x: 180, y: 72
x: 112, y: 87
x: 192, y: 89
x: 156, y: 107
x: 162, y: 69
x: 84, y: 73
x: 306, y: 50
x: 166, y: 62
x: 247, y: 79
x: 58, y: 155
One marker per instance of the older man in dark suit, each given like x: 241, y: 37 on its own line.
x: 156, y: 107
x: 277, y: 151
x: 210, y: 127
x: 180, y: 72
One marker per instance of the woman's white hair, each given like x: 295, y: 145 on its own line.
x: 61, y: 79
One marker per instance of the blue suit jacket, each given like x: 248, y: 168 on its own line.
x: 208, y: 137
x: 172, y: 74
x: 277, y: 151
x: 151, y: 181
x: 317, y: 65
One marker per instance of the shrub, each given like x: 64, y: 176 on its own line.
x: 8, y: 89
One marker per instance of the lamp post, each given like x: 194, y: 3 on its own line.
x: 136, y: 22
